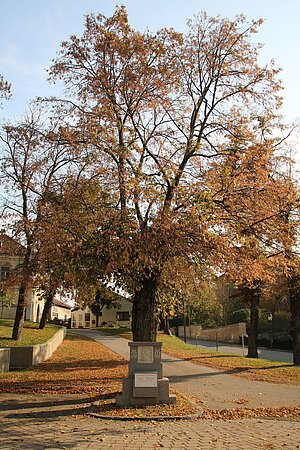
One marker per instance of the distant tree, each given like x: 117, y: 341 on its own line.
x: 5, y: 88
x: 30, y: 162
x: 288, y: 243
x: 104, y: 297
x: 248, y: 195
x: 73, y: 255
x: 186, y: 289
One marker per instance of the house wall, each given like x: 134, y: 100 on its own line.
x: 33, y: 311
x: 108, y: 315
x: 9, y: 301
x: 10, y: 298
x: 60, y: 313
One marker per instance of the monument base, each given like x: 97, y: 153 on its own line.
x: 134, y: 396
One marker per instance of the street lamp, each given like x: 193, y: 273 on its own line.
x: 270, y: 319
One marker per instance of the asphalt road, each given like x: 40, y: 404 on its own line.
x: 264, y: 353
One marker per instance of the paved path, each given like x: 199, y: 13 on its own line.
x: 57, y: 422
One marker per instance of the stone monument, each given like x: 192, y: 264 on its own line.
x: 145, y: 384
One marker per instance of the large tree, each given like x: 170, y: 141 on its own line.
x: 248, y: 199
x: 31, y: 161
x: 154, y: 112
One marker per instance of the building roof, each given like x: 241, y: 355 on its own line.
x: 61, y: 304
x: 9, y: 246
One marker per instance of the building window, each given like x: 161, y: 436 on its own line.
x: 123, y: 315
x: 87, y: 317
x: 4, y: 272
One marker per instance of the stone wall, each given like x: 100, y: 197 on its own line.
x: 23, y: 357
x: 229, y: 333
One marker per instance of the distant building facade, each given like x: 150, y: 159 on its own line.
x: 84, y: 318
x: 60, y: 311
x: 11, y: 257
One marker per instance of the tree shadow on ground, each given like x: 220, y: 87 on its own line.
x: 75, y: 365
x: 33, y: 402
x: 54, y: 407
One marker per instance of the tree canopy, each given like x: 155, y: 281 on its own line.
x: 155, y: 115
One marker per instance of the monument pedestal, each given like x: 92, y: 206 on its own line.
x: 145, y: 384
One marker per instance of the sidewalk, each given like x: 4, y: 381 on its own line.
x: 51, y: 422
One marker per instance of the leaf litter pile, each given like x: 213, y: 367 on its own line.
x: 84, y: 367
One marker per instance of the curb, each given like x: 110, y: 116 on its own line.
x: 194, y: 415
x: 147, y: 418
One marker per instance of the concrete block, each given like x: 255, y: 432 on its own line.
x: 23, y: 357
x: 4, y: 359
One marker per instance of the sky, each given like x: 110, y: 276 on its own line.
x: 31, y: 32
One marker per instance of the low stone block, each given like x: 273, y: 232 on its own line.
x: 144, y: 401
x: 23, y: 357
x: 4, y: 359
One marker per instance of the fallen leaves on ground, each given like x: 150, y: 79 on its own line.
x: 249, y: 413
x: 183, y: 407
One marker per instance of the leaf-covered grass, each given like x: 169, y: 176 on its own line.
x: 79, y: 365
x: 84, y: 367
x: 31, y: 334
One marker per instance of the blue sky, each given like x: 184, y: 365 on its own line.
x: 31, y: 32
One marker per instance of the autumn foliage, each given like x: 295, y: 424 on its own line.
x: 171, y: 156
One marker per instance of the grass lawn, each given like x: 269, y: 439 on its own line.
x: 31, y: 334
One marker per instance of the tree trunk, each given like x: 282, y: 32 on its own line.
x: 47, y: 308
x: 253, y: 327
x: 167, y: 326
x: 295, y: 318
x: 164, y: 323
x: 144, y: 311
x: 22, y: 301
x: 20, y: 314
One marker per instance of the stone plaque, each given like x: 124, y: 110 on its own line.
x: 145, y: 354
x: 145, y: 380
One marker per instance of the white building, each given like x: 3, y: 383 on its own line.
x: 84, y: 318
x: 60, y: 311
x: 11, y: 256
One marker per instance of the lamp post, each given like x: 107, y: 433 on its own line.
x: 184, y: 321
x: 270, y: 319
